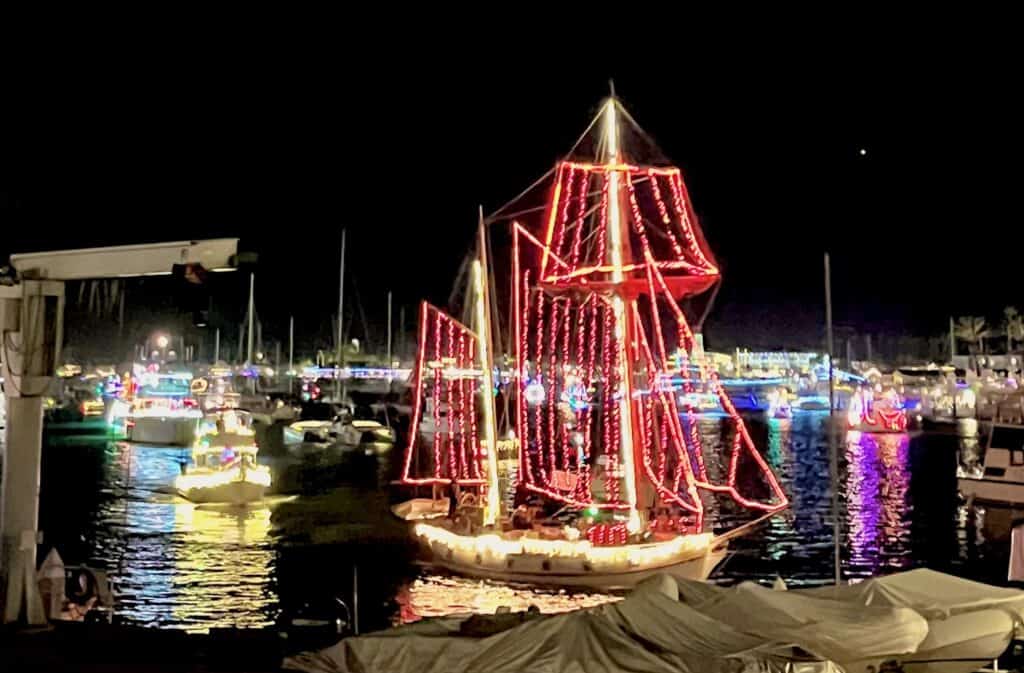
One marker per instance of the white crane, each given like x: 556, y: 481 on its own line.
x: 31, y: 331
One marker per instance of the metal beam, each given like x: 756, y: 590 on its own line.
x: 127, y: 261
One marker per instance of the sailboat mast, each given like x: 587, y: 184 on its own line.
x: 341, y: 311
x: 252, y: 314
x: 616, y: 238
x: 482, y: 311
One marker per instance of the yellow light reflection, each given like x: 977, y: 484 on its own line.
x: 225, y: 560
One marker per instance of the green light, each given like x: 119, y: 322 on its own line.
x: 590, y: 511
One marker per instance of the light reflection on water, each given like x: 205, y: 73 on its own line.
x: 436, y: 595
x: 182, y: 566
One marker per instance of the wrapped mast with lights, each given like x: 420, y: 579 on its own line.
x: 598, y: 426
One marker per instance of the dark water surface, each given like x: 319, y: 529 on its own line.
x: 179, y: 565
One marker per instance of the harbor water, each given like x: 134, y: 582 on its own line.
x: 328, y: 528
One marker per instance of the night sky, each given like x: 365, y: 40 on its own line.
x: 284, y: 142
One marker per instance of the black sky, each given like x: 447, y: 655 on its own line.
x: 283, y: 139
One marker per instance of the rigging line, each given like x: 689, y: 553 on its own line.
x: 639, y: 129
x: 511, y: 216
x: 493, y: 216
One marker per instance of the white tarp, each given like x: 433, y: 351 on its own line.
x: 669, y: 625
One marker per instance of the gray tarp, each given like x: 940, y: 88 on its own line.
x: 669, y: 625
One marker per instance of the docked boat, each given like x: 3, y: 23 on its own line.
x: 1001, y: 476
x: 224, y: 467
x: 320, y: 422
x: 611, y: 478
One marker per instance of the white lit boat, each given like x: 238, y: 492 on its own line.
x: 225, y: 468
x: 1001, y: 478
x: 349, y: 433
x: 576, y: 564
x: 603, y: 431
x: 163, y: 410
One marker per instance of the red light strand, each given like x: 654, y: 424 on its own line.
x: 538, y: 378
x: 551, y: 399
x: 438, y: 435
x: 745, y: 441
x: 681, y: 203
x: 525, y: 465
x: 581, y: 213
x: 417, y: 392
x: 663, y: 211
x: 452, y: 411
x: 563, y: 218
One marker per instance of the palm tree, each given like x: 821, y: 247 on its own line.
x: 973, y: 330
x: 1013, y: 325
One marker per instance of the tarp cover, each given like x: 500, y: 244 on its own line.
x: 669, y: 625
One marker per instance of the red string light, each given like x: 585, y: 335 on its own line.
x: 663, y: 211
x: 552, y: 395
x: 667, y: 495
x: 417, y: 392
x: 566, y: 325
x: 438, y: 434
x: 552, y: 215
x: 453, y: 412
x: 591, y: 361
x: 581, y: 213
x: 745, y: 443
x: 538, y: 374
x: 474, y: 439
x: 602, y: 224
x: 606, y: 397
x: 563, y: 219
x: 681, y: 203
x: 464, y: 459
x: 525, y: 466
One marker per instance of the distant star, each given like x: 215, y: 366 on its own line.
x: 863, y: 152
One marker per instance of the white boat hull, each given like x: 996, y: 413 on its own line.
x: 991, y: 490
x: 693, y: 569
x: 592, y: 568
x: 164, y: 430
x: 234, y: 493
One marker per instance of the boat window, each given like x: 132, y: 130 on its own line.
x: 1017, y: 457
x: 1004, y: 437
x: 995, y: 471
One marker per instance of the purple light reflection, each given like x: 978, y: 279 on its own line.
x: 877, y: 502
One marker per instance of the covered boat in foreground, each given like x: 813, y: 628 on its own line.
x: 918, y: 622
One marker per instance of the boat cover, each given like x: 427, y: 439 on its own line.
x: 679, y: 626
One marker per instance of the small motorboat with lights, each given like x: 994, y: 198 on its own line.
x: 610, y: 481
x: 224, y: 467
x: 872, y: 410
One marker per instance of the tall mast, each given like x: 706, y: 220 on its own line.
x: 482, y: 306
x: 252, y: 314
x: 341, y: 334
x: 616, y: 238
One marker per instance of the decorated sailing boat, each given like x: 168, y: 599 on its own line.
x: 602, y: 437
